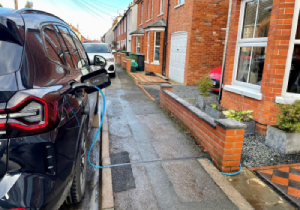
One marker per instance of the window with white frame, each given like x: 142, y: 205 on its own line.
x: 162, y: 5
x: 148, y: 45
x: 124, y: 25
x: 142, y: 13
x: 181, y: 1
x: 149, y: 9
x: 156, y: 46
x: 252, y: 42
x: 138, y: 44
x: 291, y: 84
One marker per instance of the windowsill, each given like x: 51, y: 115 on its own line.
x: 148, y: 20
x: 245, y: 91
x: 160, y: 14
x: 146, y: 62
x: 141, y: 24
x: 179, y: 5
x: 155, y: 63
x: 286, y: 99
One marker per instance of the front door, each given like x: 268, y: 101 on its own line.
x: 178, y: 56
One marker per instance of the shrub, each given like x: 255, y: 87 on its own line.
x: 124, y: 47
x: 205, y: 85
x: 217, y: 107
x: 242, y: 116
x: 288, y: 119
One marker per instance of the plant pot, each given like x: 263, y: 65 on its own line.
x: 202, y: 102
x: 214, y: 113
x: 283, y: 142
x: 250, y: 129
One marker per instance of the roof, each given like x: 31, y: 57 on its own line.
x: 33, y: 11
x: 158, y: 23
x: 137, y: 32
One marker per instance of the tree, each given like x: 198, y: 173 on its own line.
x: 1, y: 5
x: 29, y: 4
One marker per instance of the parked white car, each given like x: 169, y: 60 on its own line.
x: 102, y: 49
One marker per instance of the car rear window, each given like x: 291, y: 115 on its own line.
x: 96, y: 48
x: 11, y: 47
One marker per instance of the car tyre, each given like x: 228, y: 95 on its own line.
x: 79, y: 182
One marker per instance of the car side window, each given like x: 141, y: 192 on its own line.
x: 53, y: 48
x: 65, y: 46
x: 70, y: 44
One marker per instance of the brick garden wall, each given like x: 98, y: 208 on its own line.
x: 274, y: 68
x: 222, y: 139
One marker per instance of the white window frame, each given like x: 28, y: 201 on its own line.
x: 179, y: 3
x: 138, y: 44
x: 142, y: 13
x: 148, y: 45
x: 162, y: 7
x: 246, y: 42
x: 154, y: 46
x: 286, y: 97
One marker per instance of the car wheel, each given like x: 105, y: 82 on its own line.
x: 79, y: 181
x: 97, y: 105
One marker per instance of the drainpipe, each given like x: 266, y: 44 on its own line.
x: 166, y: 43
x: 225, y: 50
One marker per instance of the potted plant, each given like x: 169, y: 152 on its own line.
x: 215, y: 111
x: 244, y: 117
x: 285, y: 136
x: 205, y: 98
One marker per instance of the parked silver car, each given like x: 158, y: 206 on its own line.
x: 102, y: 49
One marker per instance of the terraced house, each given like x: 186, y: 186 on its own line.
x: 182, y: 39
x: 263, y: 58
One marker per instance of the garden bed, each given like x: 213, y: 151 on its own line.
x: 188, y: 93
x: 256, y: 153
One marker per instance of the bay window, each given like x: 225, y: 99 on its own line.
x: 156, y: 47
x: 252, y: 42
x: 138, y: 44
x: 291, y: 85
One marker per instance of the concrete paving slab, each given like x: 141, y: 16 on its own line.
x: 256, y: 192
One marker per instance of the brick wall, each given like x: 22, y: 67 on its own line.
x: 275, y: 60
x: 222, y: 139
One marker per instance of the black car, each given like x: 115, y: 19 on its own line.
x: 44, y: 117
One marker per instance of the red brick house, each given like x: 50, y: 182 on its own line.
x: 120, y: 34
x: 263, y: 58
x: 182, y: 39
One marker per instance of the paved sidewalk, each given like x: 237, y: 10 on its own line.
x: 139, y: 130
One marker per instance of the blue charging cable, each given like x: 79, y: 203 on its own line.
x: 98, y: 132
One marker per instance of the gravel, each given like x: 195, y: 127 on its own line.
x: 256, y: 153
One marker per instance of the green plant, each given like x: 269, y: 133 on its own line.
x: 289, y: 117
x: 114, y: 44
x: 205, y: 85
x: 242, y: 116
x: 217, y: 107
x: 124, y: 48
x: 29, y: 4
x: 1, y: 5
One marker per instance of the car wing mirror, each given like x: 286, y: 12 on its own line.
x: 99, y: 78
x: 100, y: 61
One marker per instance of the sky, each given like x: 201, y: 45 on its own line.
x: 94, y: 17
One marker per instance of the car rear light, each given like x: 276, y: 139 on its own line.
x: 30, y: 116
x: 17, y: 209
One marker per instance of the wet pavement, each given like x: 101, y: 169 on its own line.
x: 257, y: 192
x: 140, y: 131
